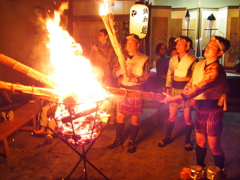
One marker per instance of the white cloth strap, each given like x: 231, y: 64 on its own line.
x: 183, y: 65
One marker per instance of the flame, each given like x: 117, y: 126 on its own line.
x: 105, y: 8
x: 72, y: 71
x: 76, y: 83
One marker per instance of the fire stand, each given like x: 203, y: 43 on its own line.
x: 83, y: 155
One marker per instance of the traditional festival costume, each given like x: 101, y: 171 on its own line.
x: 209, y: 87
x: 209, y: 83
x: 180, y: 68
x: 137, y: 66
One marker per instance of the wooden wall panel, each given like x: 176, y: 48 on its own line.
x: 85, y: 33
x: 232, y: 58
x: 176, y: 27
x: 159, y: 33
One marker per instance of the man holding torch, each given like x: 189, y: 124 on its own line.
x: 179, y: 73
x: 132, y: 76
x: 208, y: 86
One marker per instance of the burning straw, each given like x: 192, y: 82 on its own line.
x: 107, y: 17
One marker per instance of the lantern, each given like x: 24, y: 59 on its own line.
x: 211, y: 20
x: 187, y: 18
x: 139, y: 14
x: 210, y: 29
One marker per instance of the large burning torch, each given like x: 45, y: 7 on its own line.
x: 107, y: 17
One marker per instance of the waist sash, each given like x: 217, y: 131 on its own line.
x: 179, y: 84
x: 208, y: 103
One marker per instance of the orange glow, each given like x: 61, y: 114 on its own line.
x: 74, y: 75
x: 105, y: 8
x: 72, y: 71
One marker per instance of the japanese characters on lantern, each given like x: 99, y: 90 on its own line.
x: 139, y: 14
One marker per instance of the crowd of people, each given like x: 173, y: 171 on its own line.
x: 181, y: 77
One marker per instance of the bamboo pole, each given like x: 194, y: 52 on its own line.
x: 42, y: 93
x: 135, y: 94
x: 51, y: 94
x: 109, y: 25
x: 28, y: 71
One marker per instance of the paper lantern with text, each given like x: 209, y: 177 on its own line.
x: 139, y: 14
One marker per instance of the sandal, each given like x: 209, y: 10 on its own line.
x: 188, y: 146
x: 132, y: 147
x: 115, y: 143
x: 164, y: 142
x: 223, y: 174
x: 49, y: 139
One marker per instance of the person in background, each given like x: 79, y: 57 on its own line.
x: 173, y: 51
x: 132, y: 76
x: 179, y: 73
x: 102, y: 59
x: 44, y: 122
x: 161, y: 65
x: 191, y: 50
x: 161, y: 69
x: 160, y: 51
x: 171, y: 44
x: 208, y: 87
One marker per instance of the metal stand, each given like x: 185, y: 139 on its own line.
x: 83, y: 155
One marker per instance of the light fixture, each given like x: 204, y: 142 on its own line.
x: 211, y: 20
x: 187, y: 18
x: 139, y: 15
x: 210, y: 29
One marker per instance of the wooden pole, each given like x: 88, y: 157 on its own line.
x: 135, y: 94
x: 28, y: 71
x: 109, y: 25
x: 42, y: 93
x: 51, y: 94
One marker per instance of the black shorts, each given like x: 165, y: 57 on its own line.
x: 209, y: 120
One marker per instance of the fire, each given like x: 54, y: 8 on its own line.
x: 86, y: 127
x: 105, y: 8
x: 80, y: 117
x: 72, y: 71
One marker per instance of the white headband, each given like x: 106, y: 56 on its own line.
x: 176, y: 40
x: 220, y: 44
x: 132, y: 37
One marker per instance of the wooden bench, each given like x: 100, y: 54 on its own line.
x: 22, y: 116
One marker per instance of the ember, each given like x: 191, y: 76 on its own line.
x: 81, y: 127
x: 79, y: 124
